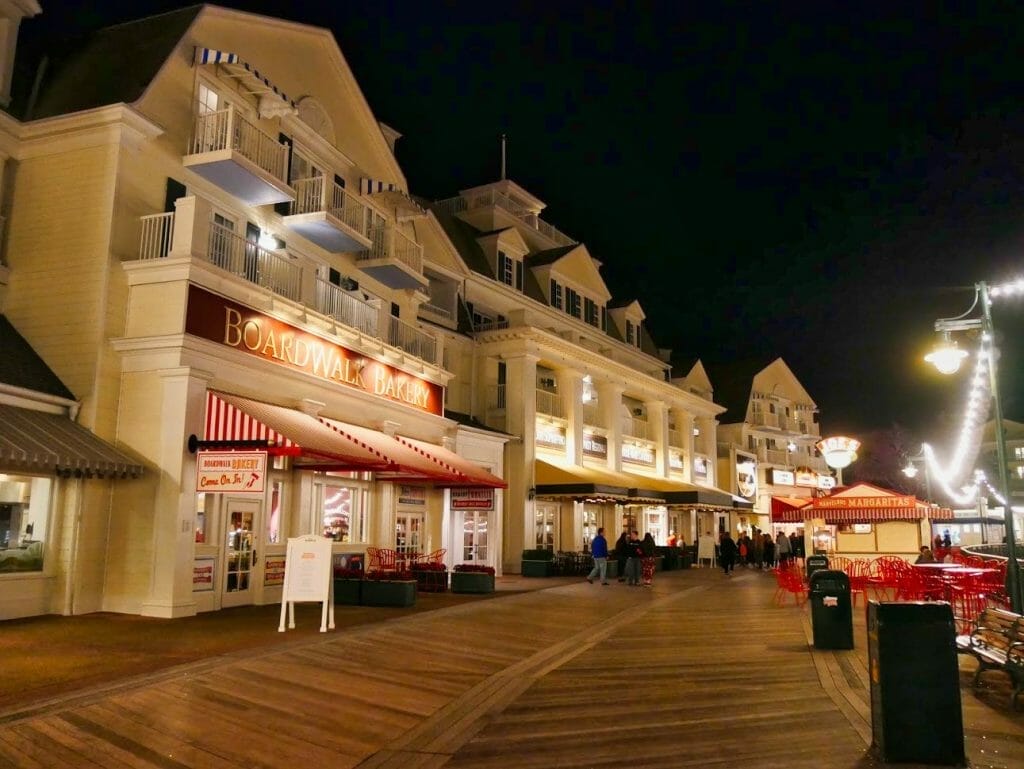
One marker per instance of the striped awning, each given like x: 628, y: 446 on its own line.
x: 43, y: 442
x: 473, y: 475
x: 788, y: 509
x: 246, y: 74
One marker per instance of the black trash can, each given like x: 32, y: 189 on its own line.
x: 814, y: 563
x: 831, y: 609
x: 915, y: 683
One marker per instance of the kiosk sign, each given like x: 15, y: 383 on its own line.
x: 231, y: 471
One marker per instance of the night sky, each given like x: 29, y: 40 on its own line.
x: 816, y: 185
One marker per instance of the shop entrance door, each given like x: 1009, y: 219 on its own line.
x: 241, y: 552
x: 474, y: 537
x: 408, y: 536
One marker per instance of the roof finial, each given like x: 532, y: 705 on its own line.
x: 503, y: 157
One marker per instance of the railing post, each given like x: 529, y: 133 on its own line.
x: 191, y: 227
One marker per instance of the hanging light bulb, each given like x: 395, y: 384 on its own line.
x: 946, y: 356
x: 910, y: 470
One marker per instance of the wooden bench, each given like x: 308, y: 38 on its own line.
x: 997, y: 642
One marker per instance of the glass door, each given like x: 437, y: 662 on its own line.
x: 474, y: 537
x: 545, y: 514
x: 241, y: 552
x: 408, y: 537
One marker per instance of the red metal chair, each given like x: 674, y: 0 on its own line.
x: 382, y: 559
x: 859, y: 574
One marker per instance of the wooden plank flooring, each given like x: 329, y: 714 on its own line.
x: 699, y: 670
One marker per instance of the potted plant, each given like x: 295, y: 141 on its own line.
x: 430, y: 577
x: 389, y: 588
x: 348, y: 586
x: 538, y: 563
x: 472, y: 578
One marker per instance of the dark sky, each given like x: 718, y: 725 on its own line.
x: 768, y: 180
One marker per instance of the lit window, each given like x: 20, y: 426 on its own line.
x: 23, y: 518
x: 556, y: 295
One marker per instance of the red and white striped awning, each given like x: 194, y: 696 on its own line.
x: 471, y: 474
x: 789, y: 509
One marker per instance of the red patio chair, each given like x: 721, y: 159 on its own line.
x: 859, y: 574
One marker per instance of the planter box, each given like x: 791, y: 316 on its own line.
x: 397, y: 593
x: 472, y: 582
x: 348, y: 591
x: 431, y: 581
x: 538, y: 568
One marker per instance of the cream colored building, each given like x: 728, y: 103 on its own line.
x: 220, y: 253
x: 766, y: 444
x: 602, y: 436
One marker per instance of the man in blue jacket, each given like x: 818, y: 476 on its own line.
x: 599, y: 549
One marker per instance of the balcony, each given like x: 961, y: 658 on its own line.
x: 394, y: 259
x: 188, y: 235
x: 345, y: 308
x: 550, y: 403
x: 238, y: 157
x: 324, y: 213
x: 592, y: 415
x: 765, y: 419
x: 634, y: 427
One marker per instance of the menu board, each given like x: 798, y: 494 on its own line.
x: 307, y: 577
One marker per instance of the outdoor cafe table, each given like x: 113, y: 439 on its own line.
x: 951, y: 574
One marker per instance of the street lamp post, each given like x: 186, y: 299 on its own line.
x: 911, y: 472
x: 947, y: 359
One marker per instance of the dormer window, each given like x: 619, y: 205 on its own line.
x: 572, y: 303
x: 630, y: 333
x: 510, y: 271
x: 590, y: 312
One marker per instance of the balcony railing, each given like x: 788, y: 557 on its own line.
x: 675, y: 438
x: 496, y: 397
x: 490, y: 325
x: 592, y: 415
x: 391, y: 243
x: 495, y: 198
x: 412, y: 340
x: 634, y: 427
x: 318, y: 194
x: 550, y: 403
x: 157, y: 236
x: 227, y: 129
x: 441, y: 312
x: 766, y: 419
x: 247, y: 260
x: 345, y: 308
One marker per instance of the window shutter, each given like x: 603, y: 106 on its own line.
x: 284, y: 208
x: 519, y: 275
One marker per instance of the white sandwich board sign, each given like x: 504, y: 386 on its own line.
x: 307, y: 577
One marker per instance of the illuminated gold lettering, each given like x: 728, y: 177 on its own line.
x: 286, y: 348
x: 380, y: 384
x: 270, y: 345
x: 254, y: 326
x: 319, y: 360
x: 301, y: 353
x: 232, y: 327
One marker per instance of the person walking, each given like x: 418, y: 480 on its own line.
x: 622, y: 554
x: 727, y: 552
x: 782, y: 549
x: 599, y: 549
x: 648, y: 551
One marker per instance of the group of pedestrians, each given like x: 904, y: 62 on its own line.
x: 758, y: 550
x: 636, y: 558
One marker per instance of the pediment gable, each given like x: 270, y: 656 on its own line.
x: 581, y: 269
x: 778, y: 379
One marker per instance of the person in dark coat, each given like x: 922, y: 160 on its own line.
x: 727, y: 552
x: 622, y: 553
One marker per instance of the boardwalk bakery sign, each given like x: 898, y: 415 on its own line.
x: 231, y: 324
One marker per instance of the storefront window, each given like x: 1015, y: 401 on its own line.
x: 589, y: 528
x: 342, y: 504
x: 654, y: 524
x: 204, y: 511
x: 274, y: 514
x: 24, y: 511
x: 545, y: 527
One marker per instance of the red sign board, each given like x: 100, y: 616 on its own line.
x: 864, y: 503
x: 234, y: 325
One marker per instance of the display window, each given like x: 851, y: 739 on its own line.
x: 342, y: 501
x: 25, y: 503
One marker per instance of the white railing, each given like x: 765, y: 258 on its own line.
x: 675, y: 438
x: 635, y: 427
x: 157, y: 236
x: 389, y: 243
x: 441, y: 312
x: 550, y: 403
x: 778, y: 457
x: 316, y: 194
x: 766, y: 419
x: 496, y: 397
x: 343, y: 307
x: 227, y: 129
x: 490, y: 325
x: 521, y: 212
x: 412, y: 340
x: 592, y: 415
x: 257, y: 265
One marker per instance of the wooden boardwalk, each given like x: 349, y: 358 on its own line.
x: 699, y: 671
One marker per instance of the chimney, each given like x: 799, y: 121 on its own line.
x: 11, y: 14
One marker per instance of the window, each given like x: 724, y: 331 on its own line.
x: 207, y: 100
x: 1018, y: 452
x: 604, y: 320
x: 24, y: 514
x: 589, y: 527
x: 572, y: 303
x: 556, y: 295
x: 510, y: 271
x: 630, y: 333
x: 342, y: 501
x: 277, y: 493
x: 590, y: 314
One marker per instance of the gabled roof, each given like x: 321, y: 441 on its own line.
x: 732, y: 384
x: 21, y: 366
x: 109, y: 66
x: 464, y: 237
x: 548, y: 256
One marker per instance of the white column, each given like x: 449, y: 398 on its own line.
x: 610, y: 398
x: 570, y: 385
x: 705, y: 444
x: 684, y: 424
x: 181, y: 410
x: 521, y: 420
x: 191, y: 227
x: 657, y: 418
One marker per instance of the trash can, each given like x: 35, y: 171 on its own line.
x: 915, y: 683
x: 814, y: 563
x: 831, y: 609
